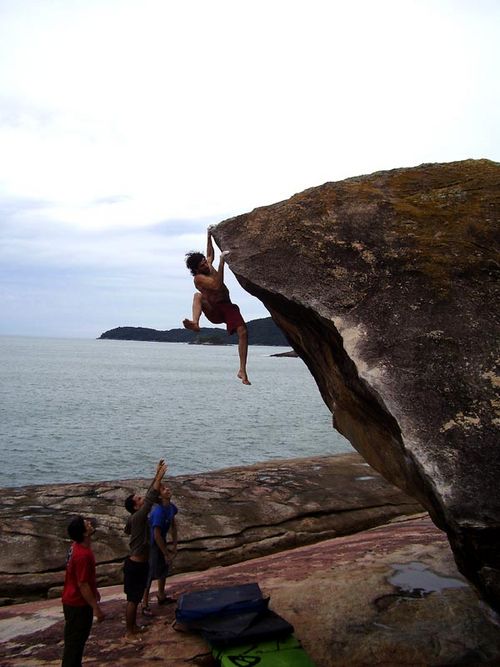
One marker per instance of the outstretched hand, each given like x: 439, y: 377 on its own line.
x: 161, y: 469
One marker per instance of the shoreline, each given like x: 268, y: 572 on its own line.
x: 140, y: 481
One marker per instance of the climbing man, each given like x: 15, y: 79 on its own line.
x: 212, y: 299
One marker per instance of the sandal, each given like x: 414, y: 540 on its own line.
x: 146, y: 610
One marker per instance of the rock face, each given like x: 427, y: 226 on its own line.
x: 224, y: 517
x: 387, y: 286
x: 388, y: 596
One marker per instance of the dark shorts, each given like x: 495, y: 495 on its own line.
x: 135, y: 579
x: 158, y: 569
x: 229, y: 313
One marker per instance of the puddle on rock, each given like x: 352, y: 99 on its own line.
x: 416, y: 579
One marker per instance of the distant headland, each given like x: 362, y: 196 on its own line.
x: 260, y: 332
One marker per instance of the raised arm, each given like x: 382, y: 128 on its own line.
x: 210, y: 248
x: 220, y: 270
x: 152, y: 493
x: 215, y: 280
x: 161, y: 469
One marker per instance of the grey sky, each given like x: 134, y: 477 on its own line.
x: 127, y: 127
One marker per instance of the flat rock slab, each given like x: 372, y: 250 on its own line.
x: 224, y: 517
x: 387, y: 596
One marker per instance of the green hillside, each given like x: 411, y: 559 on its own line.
x: 260, y: 332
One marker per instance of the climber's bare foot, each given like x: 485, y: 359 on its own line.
x: 243, y: 377
x: 189, y: 324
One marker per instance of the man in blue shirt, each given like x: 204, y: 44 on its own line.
x: 135, y: 567
x: 161, y: 521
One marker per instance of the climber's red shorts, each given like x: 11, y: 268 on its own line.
x: 229, y: 313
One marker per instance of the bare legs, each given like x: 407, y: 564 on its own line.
x: 160, y: 595
x: 194, y: 324
x: 243, y: 352
x: 131, y: 619
x: 145, y: 600
x: 161, y: 588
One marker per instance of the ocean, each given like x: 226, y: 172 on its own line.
x: 76, y: 410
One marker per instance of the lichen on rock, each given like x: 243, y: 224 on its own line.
x: 387, y: 286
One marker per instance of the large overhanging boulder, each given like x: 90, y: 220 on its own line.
x: 386, y: 286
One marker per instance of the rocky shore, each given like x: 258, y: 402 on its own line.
x: 225, y: 517
x: 387, y: 596
x: 351, y: 561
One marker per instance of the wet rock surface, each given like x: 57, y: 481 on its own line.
x: 224, y: 517
x: 353, y: 600
x: 387, y: 286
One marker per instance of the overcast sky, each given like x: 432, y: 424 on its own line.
x: 128, y: 126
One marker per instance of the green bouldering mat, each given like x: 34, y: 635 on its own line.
x: 275, y: 653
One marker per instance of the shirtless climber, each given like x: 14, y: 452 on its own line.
x: 213, y: 300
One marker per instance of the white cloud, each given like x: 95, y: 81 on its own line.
x: 117, y: 116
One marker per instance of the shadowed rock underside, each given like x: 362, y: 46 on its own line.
x: 387, y: 286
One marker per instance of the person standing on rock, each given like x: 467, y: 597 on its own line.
x: 161, y: 554
x: 80, y: 597
x: 212, y: 299
x: 135, y: 568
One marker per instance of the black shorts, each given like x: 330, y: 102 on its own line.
x: 135, y: 578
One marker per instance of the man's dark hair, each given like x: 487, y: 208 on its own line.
x: 130, y: 504
x: 193, y: 260
x: 76, y: 529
